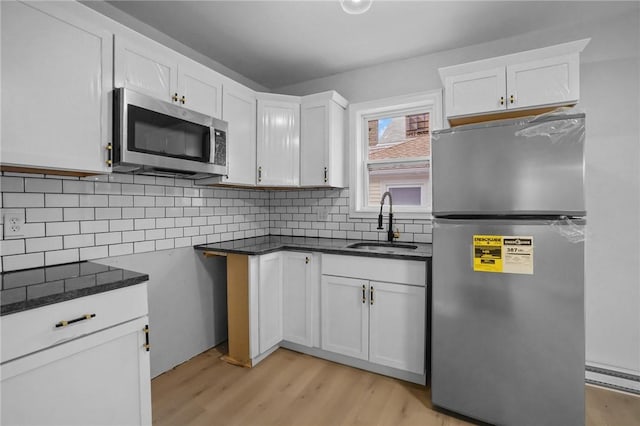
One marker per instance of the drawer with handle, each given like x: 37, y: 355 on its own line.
x: 36, y: 329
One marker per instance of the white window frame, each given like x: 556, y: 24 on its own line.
x: 359, y: 114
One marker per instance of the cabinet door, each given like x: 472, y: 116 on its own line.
x: 544, y: 82
x: 322, y: 144
x: 345, y: 316
x: 56, y: 80
x: 270, y: 300
x: 102, y: 378
x: 297, y: 298
x: 239, y: 111
x: 314, y: 144
x: 481, y: 91
x: 146, y: 67
x: 199, y: 88
x: 278, y: 145
x: 397, y: 326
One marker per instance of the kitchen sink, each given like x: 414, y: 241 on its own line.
x: 382, y: 246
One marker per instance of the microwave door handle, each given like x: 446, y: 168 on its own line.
x: 212, y: 145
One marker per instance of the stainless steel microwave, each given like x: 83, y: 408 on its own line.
x: 158, y: 138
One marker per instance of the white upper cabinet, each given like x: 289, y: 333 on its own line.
x: 155, y: 70
x: 477, y: 91
x: 239, y: 111
x: 56, y: 82
x: 535, y: 79
x: 544, y: 82
x: 322, y: 141
x: 278, y: 144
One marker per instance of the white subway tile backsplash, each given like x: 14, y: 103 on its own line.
x: 183, y: 242
x: 164, y: 201
x: 87, y: 253
x: 120, y: 249
x: 120, y: 201
x: 165, y: 244
x: 11, y: 184
x: 22, y: 261
x: 145, y: 180
x: 169, y: 222
x: 133, y: 212
x: 131, y: 236
x: 121, y: 225
x: 82, y: 213
x: 77, y: 187
x: 43, y: 244
x: 154, y: 212
x: 33, y: 230
x: 144, y: 223
x: 62, y: 228
x: 108, y: 213
x: 62, y: 200
x: 153, y: 190
x: 11, y: 199
x: 132, y: 189
x: 108, y: 188
x: 144, y: 201
x: 108, y: 238
x: 153, y: 234
x: 94, y: 226
x: 44, y: 215
x: 10, y: 247
x: 81, y: 240
x: 42, y: 185
x: 144, y: 246
x: 174, y: 191
x: 94, y: 201
x: 61, y: 256
x: 115, y: 214
x: 174, y: 232
x: 183, y: 221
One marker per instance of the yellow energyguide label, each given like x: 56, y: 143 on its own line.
x: 503, y: 254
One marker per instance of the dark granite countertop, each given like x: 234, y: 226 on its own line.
x: 32, y: 288
x: 272, y: 243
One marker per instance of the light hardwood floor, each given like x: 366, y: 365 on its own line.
x: 289, y: 388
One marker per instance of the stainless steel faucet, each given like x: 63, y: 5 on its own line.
x: 390, y: 233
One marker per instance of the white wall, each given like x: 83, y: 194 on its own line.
x: 610, y: 70
x: 187, y: 303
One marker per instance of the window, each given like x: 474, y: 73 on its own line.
x: 391, y: 151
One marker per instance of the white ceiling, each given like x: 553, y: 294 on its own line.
x: 277, y: 43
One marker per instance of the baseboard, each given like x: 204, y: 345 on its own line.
x: 612, y: 379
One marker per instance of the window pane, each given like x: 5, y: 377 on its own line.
x: 398, y: 175
x: 399, y: 137
x: 406, y: 196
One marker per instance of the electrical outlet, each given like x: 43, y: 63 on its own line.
x: 13, y: 223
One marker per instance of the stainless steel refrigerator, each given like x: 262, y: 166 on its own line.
x: 508, y: 271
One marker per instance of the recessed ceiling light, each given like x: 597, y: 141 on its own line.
x: 355, y: 7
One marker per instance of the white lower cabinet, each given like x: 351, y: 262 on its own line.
x: 383, y: 323
x: 101, y: 379
x: 345, y: 316
x: 298, y: 311
x: 265, y: 304
x: 397, y: 326
x: 380, y: 322
x: 95, y: 373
